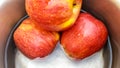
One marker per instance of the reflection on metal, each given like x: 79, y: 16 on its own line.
x: 10, y: 12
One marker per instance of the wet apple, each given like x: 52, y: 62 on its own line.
x: 54, y: 15
x: 87, y: 36
x: 33, y: 41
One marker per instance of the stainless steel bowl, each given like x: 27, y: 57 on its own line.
x: 107, y: 10
x: 10, y: 50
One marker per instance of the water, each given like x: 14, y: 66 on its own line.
x: 58, y: 59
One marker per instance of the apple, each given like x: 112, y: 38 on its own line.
x: 87, y: 36
x: 54, y: 15
x: 33, y: 41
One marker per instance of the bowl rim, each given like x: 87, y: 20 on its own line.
x: 9, y: 39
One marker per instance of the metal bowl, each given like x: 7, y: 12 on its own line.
x: 107, y: 10
x: 10, y: 50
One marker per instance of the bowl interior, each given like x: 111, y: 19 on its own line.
x: 10, y: 50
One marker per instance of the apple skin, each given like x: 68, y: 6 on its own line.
x: 33, y: 41
x: 54, y: 15
x: 87, y: 36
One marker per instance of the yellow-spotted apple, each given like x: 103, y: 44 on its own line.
x: 54, y: 15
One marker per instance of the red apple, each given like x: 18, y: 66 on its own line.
x: 87, y: 36
x: 54, y: 15
x: 33, y: 41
